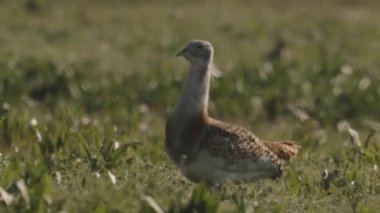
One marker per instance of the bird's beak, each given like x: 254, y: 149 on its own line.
x: 180, y: 53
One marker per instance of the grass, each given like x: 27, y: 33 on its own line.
x: 85, y: 88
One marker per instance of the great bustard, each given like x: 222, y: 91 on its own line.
x: 210, y: 150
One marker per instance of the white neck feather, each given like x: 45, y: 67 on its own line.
x: 195, y: 92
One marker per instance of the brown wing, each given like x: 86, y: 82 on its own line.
x: 235, y: 143
x: 283, y: 149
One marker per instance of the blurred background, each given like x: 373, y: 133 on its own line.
x: 79, y: 78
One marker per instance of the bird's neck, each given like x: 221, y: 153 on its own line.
x: 190, y: 115
x: 195, y: 92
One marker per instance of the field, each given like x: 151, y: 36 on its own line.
x: 86, y: 87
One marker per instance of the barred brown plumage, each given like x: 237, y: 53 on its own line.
x: 213, y: 151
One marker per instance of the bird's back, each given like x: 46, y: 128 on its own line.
x: 227, y: 151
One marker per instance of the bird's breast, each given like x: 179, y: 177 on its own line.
x: 182, y: 135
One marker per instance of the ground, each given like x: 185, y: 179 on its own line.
x: 86, y: 87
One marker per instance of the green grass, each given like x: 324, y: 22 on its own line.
x: 86, y: 86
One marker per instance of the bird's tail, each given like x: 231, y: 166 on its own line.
x: 285, y: 150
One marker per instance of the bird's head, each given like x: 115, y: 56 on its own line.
x: 198, y: 51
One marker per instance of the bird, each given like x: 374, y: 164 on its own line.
x: 208, y: 150
x: 279, y: 50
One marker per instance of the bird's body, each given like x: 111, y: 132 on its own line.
x: 213, y: 151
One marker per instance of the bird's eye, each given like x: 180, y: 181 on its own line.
x: 199, y: 47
